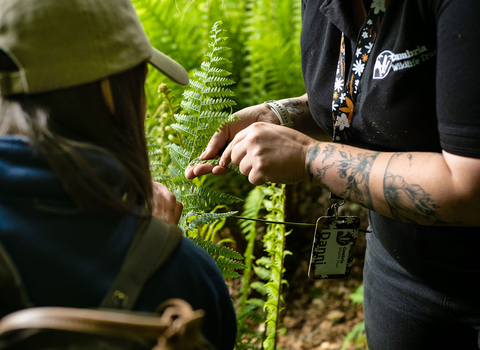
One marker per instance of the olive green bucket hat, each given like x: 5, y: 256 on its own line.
x: 63, y: 43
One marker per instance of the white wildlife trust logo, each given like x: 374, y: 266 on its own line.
x: 382, y: 65
x: 387, y: 60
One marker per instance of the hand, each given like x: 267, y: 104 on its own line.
x: 219, y: 140
x: 269, y: 153
x: 165, y: 204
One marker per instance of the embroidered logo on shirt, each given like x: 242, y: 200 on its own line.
x: 388, y: 61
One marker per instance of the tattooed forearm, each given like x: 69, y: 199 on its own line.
x: 328, y: 152
x: 356, y: 170
x: 409, y: 202
x: 313, y: 153
x: 292, y: 106
x: 322, y: 171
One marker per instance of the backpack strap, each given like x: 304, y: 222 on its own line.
x: 154, y: 243
x: 12, y: 290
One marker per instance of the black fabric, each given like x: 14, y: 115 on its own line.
x: 427, y: 103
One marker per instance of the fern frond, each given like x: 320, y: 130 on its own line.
x: 179, y: 156
x: 190, y: 107
x: 260, y: 288
x: 218, y: 81
x: 206, y: 218
x: 196, y: 85
x: 226, y: 258
x: 175, y: 173
x: 230, y: 166
x: 192, y: 95
x: 186, y: 119
x: 218, y: 92
x: 220, y: 49
x: 184, y: 130
x: 162, y: 178
x: 218, y: 60
x: 203, y: 198
x: 217, y: 117
x: 218, y: 72
x: 214, y: 104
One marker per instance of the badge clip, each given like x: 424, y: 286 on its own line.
x: 333, y: 244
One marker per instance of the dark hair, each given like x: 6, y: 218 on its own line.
x: 63, y: 124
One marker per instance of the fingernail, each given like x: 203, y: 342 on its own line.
x: 222, y: 163
x: 202, y: 155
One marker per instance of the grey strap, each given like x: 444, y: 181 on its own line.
x: 154, y: 243
x: 12, y: 291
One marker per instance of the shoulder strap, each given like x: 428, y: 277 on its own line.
x: 12, y: 291
x: 154, y: 243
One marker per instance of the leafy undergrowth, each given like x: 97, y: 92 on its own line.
x: 318, y: 313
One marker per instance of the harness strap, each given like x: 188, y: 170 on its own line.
x: 154, y: 243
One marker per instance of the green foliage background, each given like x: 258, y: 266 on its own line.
x: 264, y: 37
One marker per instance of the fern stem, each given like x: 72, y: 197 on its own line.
x: 163, y: 89
x: 257, y: 196
x: 274, y: 242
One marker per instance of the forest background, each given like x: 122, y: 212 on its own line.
x: 264, y: 41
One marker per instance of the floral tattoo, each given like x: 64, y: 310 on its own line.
x: 292, y: 106
x: 408, y: 202
x: 356, y: 169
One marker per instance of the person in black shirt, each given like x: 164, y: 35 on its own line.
x: 397, y: 93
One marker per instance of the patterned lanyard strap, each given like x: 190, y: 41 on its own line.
x: 345, y: 90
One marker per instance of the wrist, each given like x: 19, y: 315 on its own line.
x: 281, y: 112
x: 311, y: 154
x: 266, y: 115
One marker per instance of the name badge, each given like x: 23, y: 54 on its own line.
x: 333, y: 247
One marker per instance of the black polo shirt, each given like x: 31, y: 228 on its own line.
x: 418, y: 93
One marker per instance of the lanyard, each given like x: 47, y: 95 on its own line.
x: 346, y: 88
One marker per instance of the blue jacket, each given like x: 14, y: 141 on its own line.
x: 66, y: 258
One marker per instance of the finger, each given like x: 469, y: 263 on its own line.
x: 245, y: 167
x: 254, y: 175
x: 164, y: 203
x: 216, y: 143
x: 239, y: 152
x: 255, y: 178
x: 226, y: 155
x: 178, y: 212
x: 220, y: 170
x: 192, y: 171
x: 189, y: 172
x: 203, y: 169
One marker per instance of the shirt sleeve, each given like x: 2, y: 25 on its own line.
x: 458, y: 76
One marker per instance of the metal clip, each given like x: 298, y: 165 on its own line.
x: 333, y: 209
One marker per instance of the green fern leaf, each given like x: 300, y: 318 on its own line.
x: 179, y: 156
x: 206, y: 218
x: 221, y: 255
x: 218, y: 92
x: 218, y: 81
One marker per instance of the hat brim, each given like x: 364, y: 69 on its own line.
x: 169, y: 67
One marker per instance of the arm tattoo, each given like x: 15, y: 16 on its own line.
x: 321, y: 171
x: 312, y: 155
x: 328, y: 152
x: 409, y: 202
x: 356, y: 169
x: 292, y: 106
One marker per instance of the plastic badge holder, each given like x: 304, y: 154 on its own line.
x: 333, y: 247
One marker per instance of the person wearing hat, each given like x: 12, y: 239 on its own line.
x: 74, y: 173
